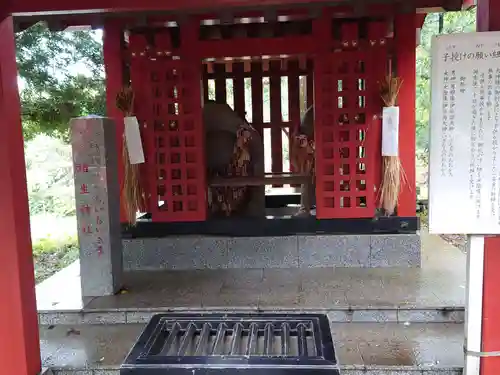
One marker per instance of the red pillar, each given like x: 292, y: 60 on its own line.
x: 405, y: 48
x: 113, y: 65
x: 488, y: 19
x: 325, y: 200
x: 19, y: 340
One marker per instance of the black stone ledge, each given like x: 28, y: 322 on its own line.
x: 255, y: 227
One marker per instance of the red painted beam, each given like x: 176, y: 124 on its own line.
x: 4, y: 10
x: 467, y: 4
x: 112, y: 6
x: 113, y: 66
x: 491, y: 306
x: 19, y: 340
x: 420, y: 20
x: 256, y: 47
x: 405, y: 45
x: 488, y: 19
x: 488, y: 15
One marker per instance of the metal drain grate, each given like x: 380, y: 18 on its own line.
x: 212, y: 344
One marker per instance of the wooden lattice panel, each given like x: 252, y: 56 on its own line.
x: 347, y: 124
x: 138, y: 75
x: 344, y: 174
x: 261, y: 73
x: 167, y: 79
x: 169, y: 100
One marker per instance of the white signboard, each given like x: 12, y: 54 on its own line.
x: 133, y: 140
x: 390, y: 131
x: 464, y: 170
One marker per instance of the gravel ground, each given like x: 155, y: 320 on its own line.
x: 457, y: 240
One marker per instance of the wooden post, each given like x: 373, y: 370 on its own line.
x: 325, y: 207
x: 276, y: 118
x: 113, y: 66
x: 19, y: 340
x: 405, y: 46
x: 488, y: 19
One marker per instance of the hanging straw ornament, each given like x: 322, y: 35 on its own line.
x: 392, y: 171
x: 132, y: 192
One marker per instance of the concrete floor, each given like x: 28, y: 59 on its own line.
x: 370, y: 348
x: 440, y: 283
x: 90, y: 338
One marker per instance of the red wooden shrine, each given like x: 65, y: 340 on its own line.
x: 171, y: 69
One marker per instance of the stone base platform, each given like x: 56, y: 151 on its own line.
x: 295, y: 251
x: 354, y: 294
x: 434, y: 292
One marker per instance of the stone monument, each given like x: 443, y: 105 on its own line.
x: 97, y: 196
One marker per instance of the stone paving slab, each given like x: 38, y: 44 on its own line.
x: 339, y: 315
x: 294, y: 251
x: 362, y: 348
x: 314, y: 288
x: 350, y: 295
x: 433, y: 293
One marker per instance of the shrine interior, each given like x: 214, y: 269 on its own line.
x: 271, y: 92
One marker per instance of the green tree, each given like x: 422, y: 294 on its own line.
x: 453, y: 22
x: 61, y: 75
x: 49, y: 170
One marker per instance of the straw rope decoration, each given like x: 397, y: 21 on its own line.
x: 393, y: 174
x: 132, y: 193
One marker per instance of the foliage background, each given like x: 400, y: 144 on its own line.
x: 61, y: 76
x: 453, y: 22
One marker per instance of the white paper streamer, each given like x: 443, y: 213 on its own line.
x: 133, y: 140
x: 390, y: 131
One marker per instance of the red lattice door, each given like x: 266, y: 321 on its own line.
x: 169, y: 97
x: 348, y: 108
x: 344, y: 170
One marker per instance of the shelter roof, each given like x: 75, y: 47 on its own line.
x: 92, y: 12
